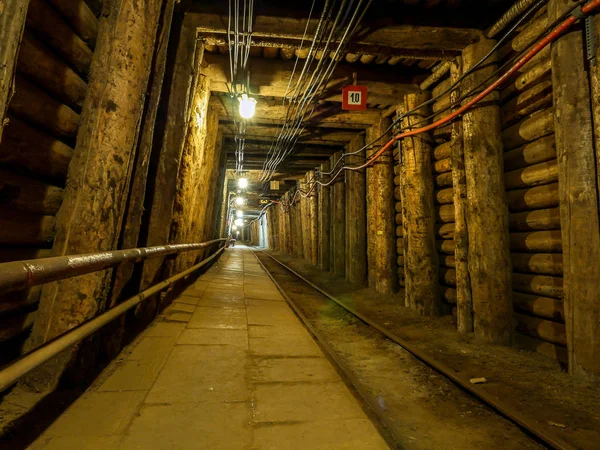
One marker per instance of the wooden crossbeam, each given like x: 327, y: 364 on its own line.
x: 397, y: 37
x: 272, y: 112
x: 271, y: 78
x: 315, y: 136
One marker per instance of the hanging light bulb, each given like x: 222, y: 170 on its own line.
x: 247, y: 106
x: 243, y: 183
x: 239, y: 213
x: 239, y: 222
x: 239, y: 201
x: 234, y: 228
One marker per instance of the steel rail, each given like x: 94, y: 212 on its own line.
x: 26, y: 363
x: 497, y: 404
x: 23, y: 274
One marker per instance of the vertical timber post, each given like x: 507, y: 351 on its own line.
x: 305, y: 218
x: 356, y: 215
x: 324, y: 221
x: 178, y: 93
x: 421, y: 262
x: 578, y: 192
x: 381, y: 231
x: 487, y: 211
x: 338, y: 221
x: 314, y: 224
x: 464, y: 300
x: 12, y: 24
x: 92, y: 211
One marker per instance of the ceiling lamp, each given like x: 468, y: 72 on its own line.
x: 243, y: 183
x: 239, y: 222
x: 247, y: 106
x: 239, y: 201
x: 239, y: 213
x: 234, y: 228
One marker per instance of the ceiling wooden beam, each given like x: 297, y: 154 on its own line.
x: 271, y: 78
x: 272, y: 112
x: 314, y: 136
x: 388, y: 36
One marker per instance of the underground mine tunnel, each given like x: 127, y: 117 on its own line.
x: 318, y: 224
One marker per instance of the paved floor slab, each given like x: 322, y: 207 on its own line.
x: 228, y: 366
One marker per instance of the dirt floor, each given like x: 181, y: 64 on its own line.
x: 529, y: 383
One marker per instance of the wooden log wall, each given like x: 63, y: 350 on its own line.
x: 38, y: 141
x: 532, y: 192
x: 444, y: 142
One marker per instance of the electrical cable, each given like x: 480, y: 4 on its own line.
x: 552, y: 36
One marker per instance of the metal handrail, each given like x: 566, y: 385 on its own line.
x: 15, y: 370
x: 17, y: 275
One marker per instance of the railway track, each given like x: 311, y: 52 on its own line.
x: 416, y: 402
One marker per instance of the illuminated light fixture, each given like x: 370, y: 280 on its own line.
x: 234, y: 228
x: 243, y: 183
x: 239, y: 213
x: 239, y: 222
x: 247, y: 106
x: 239, y: 201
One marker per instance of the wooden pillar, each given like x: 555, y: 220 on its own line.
x: 93, y: 207
x: 314, y: 224
x: 12, y: 23
x: 338, y: 222
x: 487, y: 210
x: 464, y: 300
x: 297, y: 224
x: 381, y: 229
x: 305, y: 219
x: 221, y: 187
x: 180, y: 85
x: 133, y: 217
x: 287, y: 228
x: 578, y: 191
x: 324, y: 220
x: 421, y: 264
x: 356, y: 215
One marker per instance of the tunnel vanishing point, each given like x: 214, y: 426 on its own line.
x: 321, y: 224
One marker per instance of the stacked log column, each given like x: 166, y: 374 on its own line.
x: 381, y: 249
x: 38, y: 129
x: 420, y: 254
x: 356, y: 239
x: 532, y: 192
x: 338, y: 223
x: 324, y: 222
x: 400, y: 262
x: 487, y: 215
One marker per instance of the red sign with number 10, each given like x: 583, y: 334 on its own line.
x: 354, y: 98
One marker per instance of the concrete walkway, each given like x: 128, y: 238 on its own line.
x: 228, y: 366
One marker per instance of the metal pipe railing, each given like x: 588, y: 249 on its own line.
x: 23, y: 274
x: 11, y: 373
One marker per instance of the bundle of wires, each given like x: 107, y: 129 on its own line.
x: 550, y: 34
x: 337, y: 24
x: 239, y: 41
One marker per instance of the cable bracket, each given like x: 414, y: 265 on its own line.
x: 590, y: 40
x: 578, y: 13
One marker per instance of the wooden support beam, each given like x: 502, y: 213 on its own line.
x: 305, y: 218
x: 464, y: 299
x: 408, y: 37
x: 487, y: 211
x: 356, y: 215
x: 93, y: 206
x: 421, y: 263
x: 381, y: 231
x: 578, y: 192
x: 266, y: 133
x: 130, y: 232
x: 324, y: 219
x: 338, y: 223
x: 179, y: 88
x: 313, y: 224
x: 271, y: 78
x: 272, y: 112
x: 12, y: 24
